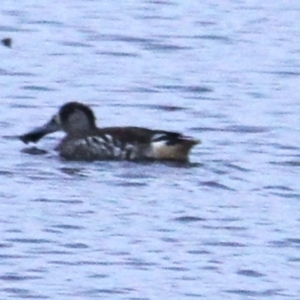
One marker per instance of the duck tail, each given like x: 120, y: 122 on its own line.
x: 172, y: 146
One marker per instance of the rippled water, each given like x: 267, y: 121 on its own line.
x: 225, y: 226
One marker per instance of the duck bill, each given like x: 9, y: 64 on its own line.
x: 36, y: 134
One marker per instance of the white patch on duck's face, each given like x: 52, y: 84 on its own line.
x: 57, y: 119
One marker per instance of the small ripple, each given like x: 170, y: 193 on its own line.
x: 139, y: 263
x: 250, y: 273
x: 103, y: 292
x: 288, y: 163
x: 257, y: 95
x: 37, y: 88
x: 246, y: 129
x: 168, y: 87
x: 117, y: 54
x: 197, y: 89
x: 34, y: 151
x: 194, y: 295
x: 180, y: 269
x: 96, y: 263
x: 76, y: 44
x: 188, y: 219
x: 169, y: 108
x: 127, y: 183
x: 29, y: 241
x: 76, y: 246
x: 282, y: 191
x: 124, y: 38
x: 15, y: 29
x: 23, y: 105
x: 294, y: 259
x: 5, y: 245
x: 164, y: 47
x: 140, y: 90
x: 218, y: 38
x: 162, y: 2
x: 47, y: 23
x: 119, y: 253
x: 51, y: 230
x: 229, y: 228
x: 169, y: 240
x: 13, y: 256
x: 284, y: 146
x: 225, y: 244
x: 98, y: 276
x: 234, y: 228
x: 228, y: 219
x: 154, y: 17
x: 68, y: 226
x: 197, y: 252
x: 286, y: 243
x: 287, y: 195
x: 217, y: 185
x: 17, y: 74
x: 73, y: 171
x: 64, y: 263
x: 24, y: 293
x: 13, y: 277
x: 53, y: 252
x: 14, y: 230
x: 278, y: 187
x: 234, y: 128
x: 266, y: 293
x: 83, y: 263
x: 236, y: 167
x: 187, y: 88
x: 284, y: 73
x: 69, y: 201
x: 205, y: 129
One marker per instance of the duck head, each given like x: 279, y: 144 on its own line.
x: 74, y: 118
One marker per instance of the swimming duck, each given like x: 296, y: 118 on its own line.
x: 85, y: 141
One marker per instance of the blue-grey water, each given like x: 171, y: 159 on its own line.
x: 225, y: 226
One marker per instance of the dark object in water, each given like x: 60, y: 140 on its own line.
x: 34, y: 151
x: 7, y: 42
x: 85, y: 141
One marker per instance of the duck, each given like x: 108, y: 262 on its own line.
x: 84, y: 141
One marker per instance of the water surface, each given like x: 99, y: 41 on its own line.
x: 225, y: 225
